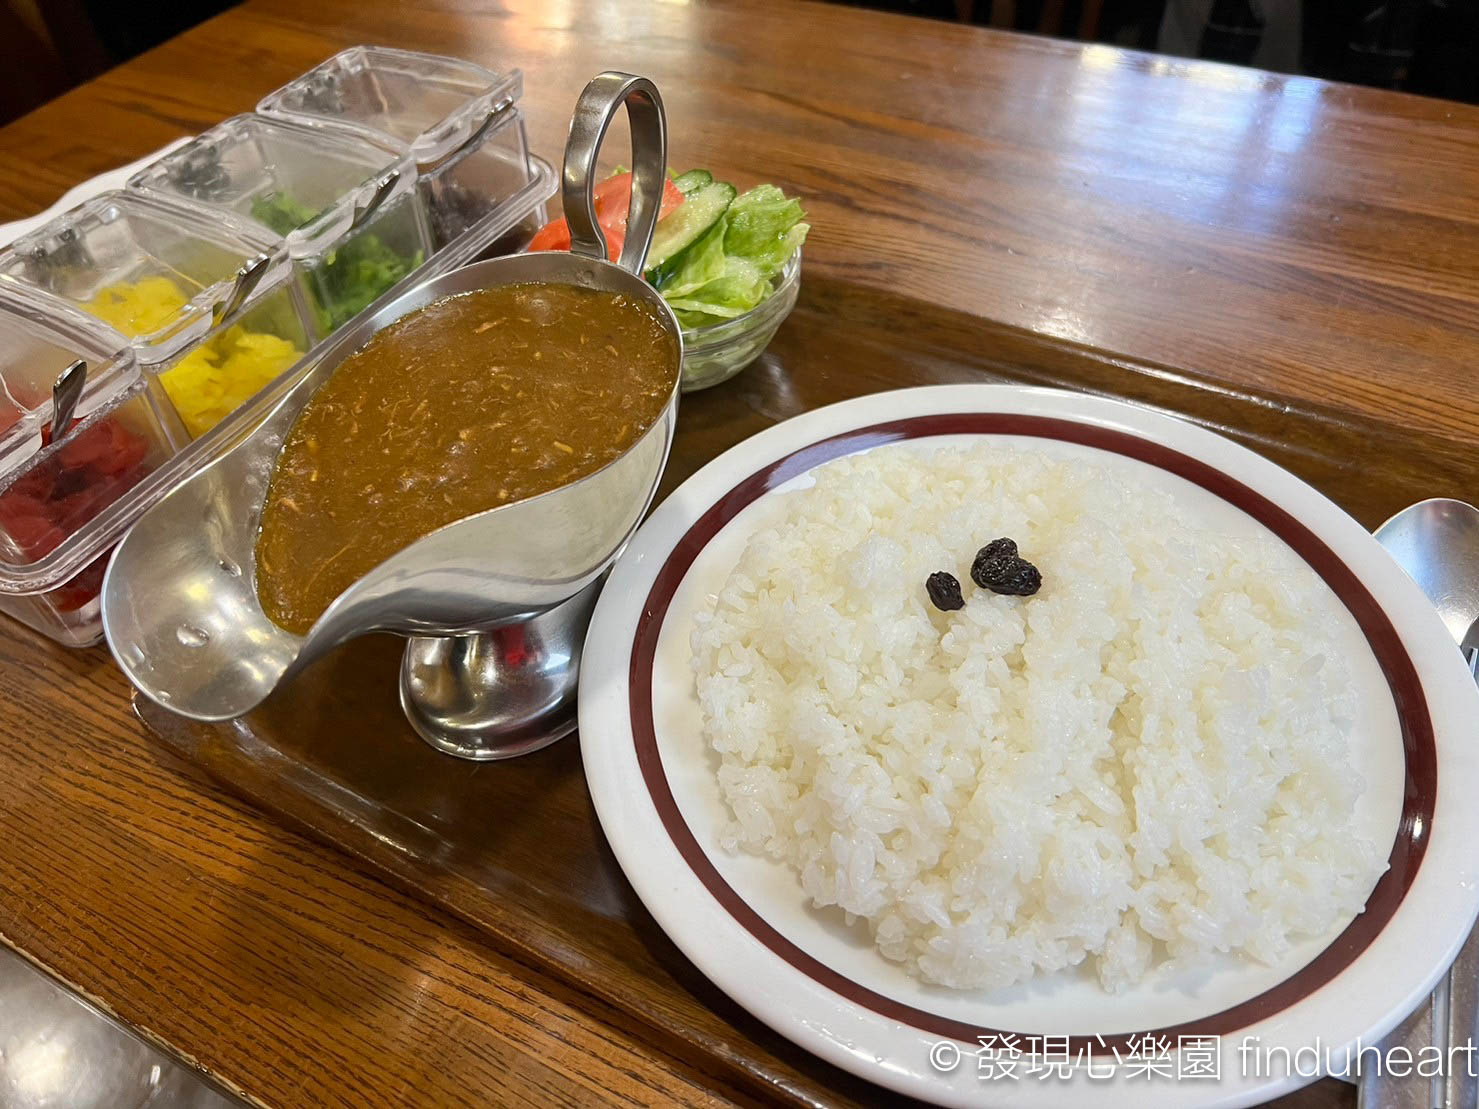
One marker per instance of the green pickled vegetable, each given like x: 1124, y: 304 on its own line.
x: 281, y: 212
x: 351, y: 276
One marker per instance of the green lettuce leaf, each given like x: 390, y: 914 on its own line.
x: 762, y: 227
x: 740, y: 287
x: 732, y: 267
x: 701, y: 263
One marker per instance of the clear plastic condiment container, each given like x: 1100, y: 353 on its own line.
x: 347, y: 209
x: 63, y: 500
x: 458, y: 121
x: 207, y: 299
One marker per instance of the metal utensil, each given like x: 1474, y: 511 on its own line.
x: 383, y: 188
x: 180, y: 607
x: 247, y: 279
x: 1437, y: 542
x: 66, y: 391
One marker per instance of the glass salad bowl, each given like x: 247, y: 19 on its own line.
x: 717, y: 351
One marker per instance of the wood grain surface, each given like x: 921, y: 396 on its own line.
x: 1252, y: 242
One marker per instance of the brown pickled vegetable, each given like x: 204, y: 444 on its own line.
x: 473, y: 402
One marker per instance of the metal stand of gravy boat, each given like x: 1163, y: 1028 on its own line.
x: 495, y: 605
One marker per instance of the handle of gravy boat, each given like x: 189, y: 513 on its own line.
x: 593, y: 114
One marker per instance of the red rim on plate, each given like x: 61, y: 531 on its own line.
x: 1420, y: 786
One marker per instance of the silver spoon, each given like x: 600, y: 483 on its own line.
x: 65, y: 393
x: 1437, y: 543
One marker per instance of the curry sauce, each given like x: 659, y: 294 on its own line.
x: 475, y: 401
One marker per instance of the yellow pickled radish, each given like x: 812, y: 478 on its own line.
x: 139, y: 307
x: 214, y: 379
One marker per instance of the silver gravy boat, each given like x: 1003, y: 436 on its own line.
x: 495, y: 606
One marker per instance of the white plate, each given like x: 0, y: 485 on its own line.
x: 745, y: 923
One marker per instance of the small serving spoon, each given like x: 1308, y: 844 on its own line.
x: 65, y: 393
x: 1437, y: 543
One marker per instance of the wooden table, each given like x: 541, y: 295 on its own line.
x: 1277, y: 235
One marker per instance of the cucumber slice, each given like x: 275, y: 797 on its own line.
x: 693, y: 180
x: 684, y: 226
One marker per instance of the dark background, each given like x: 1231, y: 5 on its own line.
x: 1424, y: 46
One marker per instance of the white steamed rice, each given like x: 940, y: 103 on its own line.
x: 1146, y: 761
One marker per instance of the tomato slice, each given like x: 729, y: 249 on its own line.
x: 613, y: 200
x: 554, y: 235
